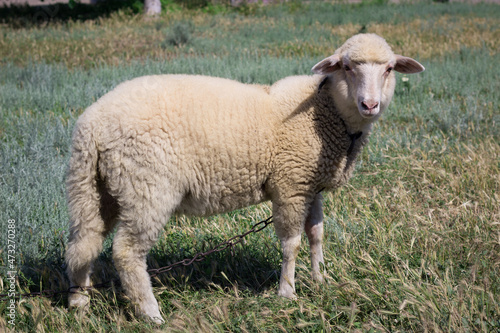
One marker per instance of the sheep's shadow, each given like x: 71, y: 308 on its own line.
x: 252, y: 267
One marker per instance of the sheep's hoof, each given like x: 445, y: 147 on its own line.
x: 290, y: 294
x: 293, y: 297
x: 319, y: 278
x: 150, y: 312
x: 155, y: 320
x: 79, y: 300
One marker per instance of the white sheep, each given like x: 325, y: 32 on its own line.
x: 177, y: 144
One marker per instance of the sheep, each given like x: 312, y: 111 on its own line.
x: 161, y: 145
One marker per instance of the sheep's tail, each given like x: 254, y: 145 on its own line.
x: 86, y: 223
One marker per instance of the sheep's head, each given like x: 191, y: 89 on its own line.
x: 363, y: 71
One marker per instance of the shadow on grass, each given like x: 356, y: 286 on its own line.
x: 249, y: 267
x: 252, y: 267
x: 29, y: 16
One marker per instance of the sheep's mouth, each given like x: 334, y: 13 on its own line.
x: 368, y: 107
x: 368, y: 113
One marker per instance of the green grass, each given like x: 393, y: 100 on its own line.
x: 423, y: 30
x: 411, y: 243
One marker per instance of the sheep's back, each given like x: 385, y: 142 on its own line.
x: 206, y: 139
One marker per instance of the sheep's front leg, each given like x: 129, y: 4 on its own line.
x: 290, y: 246
x: 289, y: 219
x: 314, y: 231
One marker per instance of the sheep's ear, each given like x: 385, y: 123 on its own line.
x: 327, y: 65
x: 407, y: 65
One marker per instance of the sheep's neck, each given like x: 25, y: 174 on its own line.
x: 353, y: 137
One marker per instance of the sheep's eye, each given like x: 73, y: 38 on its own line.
x: 347, y: 68
x: 389, y: 70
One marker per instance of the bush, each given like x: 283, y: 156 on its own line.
x: 181, y: 33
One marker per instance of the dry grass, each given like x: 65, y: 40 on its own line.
x: 122, y: 39
x: 412, y: 243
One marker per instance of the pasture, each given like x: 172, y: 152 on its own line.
x: 411, y: 243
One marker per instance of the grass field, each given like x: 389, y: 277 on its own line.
x: 411, y: 244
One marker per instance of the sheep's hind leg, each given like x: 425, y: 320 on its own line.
x: 80, y: 254
x: 131, y: 244
x: 314, y: 231
x: 91, y: 223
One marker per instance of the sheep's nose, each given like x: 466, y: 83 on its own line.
x: 369, y: 105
